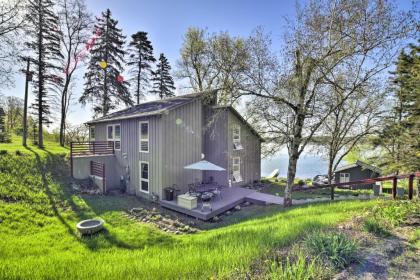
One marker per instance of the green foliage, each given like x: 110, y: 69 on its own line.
x: 396, y: 212
x: 301, y: 268
x: 399, y: 136
x: 332, y: 247
x: 376, y: 227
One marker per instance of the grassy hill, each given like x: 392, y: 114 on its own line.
x: 38, y: 240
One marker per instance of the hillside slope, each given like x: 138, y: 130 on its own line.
x: 39, y: 211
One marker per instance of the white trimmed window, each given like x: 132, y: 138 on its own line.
x: 236, y: 169
x: 113, y: 134
x: 92, y: 133
x: 144, y: 176
x: 237, y: 138
x: 117, y: 137
x: 144, y: 137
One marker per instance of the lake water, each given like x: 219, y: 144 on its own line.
x: 308, y: 165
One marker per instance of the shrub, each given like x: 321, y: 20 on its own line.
x: 301, y: 183
x: 301, y: 268
x: 376, y: 227
x: 18, y: 153
x: 332, y: 247
x: 3, y: 152
x: 396, y: 212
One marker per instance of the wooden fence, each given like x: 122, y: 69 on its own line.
x: 393, y: 178
x: 98, y: 169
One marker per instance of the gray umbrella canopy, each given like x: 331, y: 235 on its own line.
x: 204, y: 165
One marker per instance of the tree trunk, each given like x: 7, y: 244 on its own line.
x: 138, y: 81
x: 25, y: 106
x: 291, y: 173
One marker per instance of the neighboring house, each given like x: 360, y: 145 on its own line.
x: 153, y: 141
x: 356, y: 171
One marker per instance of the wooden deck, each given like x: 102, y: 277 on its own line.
x: 229, y: 199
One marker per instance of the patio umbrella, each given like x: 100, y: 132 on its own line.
x: 204, y: 165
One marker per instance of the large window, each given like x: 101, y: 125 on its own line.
x: 237, y: 138
x: 92, y: 133
x: 144, y: 176
x: 236, y: 169
x: 144, y: 137
x: 114, y: 135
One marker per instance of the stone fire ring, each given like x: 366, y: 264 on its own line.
x: 90, y: 226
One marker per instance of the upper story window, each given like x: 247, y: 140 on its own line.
x: 237, y: 138
x: 144, y: 137
x: 92, y: 133
x: 114, y: 135
x: 236, y: 169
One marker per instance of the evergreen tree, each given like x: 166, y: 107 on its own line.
x: 141, y: 57
x: 163, y: 83
x: 399, y: 136
x: 104, y: 86
x: 44, y: 43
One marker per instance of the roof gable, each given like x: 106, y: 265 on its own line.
x: 239, y: 116
x: 360, y: 164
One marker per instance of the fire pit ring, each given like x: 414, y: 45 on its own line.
x: 90, y: 226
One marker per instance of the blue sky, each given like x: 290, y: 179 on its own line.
x: 167, y: 21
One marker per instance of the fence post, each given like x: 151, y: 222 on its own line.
x: 71, y: 159
x: 394, y: 187
x: 332, y: 193
x: 410, y: 186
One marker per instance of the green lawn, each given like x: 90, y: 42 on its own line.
x: 16, y: 145
x: 38, y: 214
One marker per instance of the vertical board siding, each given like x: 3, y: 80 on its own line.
x: 178, y: 138
x: 182, y: 145
x: 216, y: 144
x: 250, y: 154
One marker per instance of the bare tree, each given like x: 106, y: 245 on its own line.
x: 349, y: 123
x: 75, y: 24
x: 212, y: 61
x: 76, y: 133
x: 11, y: 24
x: 358, y: 36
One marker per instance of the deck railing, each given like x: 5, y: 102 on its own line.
x: 394, y: 179
x: 90, y: 148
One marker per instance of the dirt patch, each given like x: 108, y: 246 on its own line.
x: 393, y: 257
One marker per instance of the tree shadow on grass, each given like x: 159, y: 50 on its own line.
x: 57, y: 167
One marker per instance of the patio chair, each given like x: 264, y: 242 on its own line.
x: 191, y: 188
x: 218, y: 192
x: 206, y: 201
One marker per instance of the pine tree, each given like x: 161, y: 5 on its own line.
x: 399, y: 136
x: 44, y: 43
x: 163, y: 83
x: 141, y: 57
x: 104, y: 86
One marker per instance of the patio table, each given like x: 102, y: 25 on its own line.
x: 206, y: 188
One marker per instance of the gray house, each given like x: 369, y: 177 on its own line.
x: 356, y: 171
x: 147, y: 146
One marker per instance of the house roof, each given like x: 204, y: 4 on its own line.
x: 151, y: 108
x: 239, y: 116
x: 159, y: 107
x: 358, y: 164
